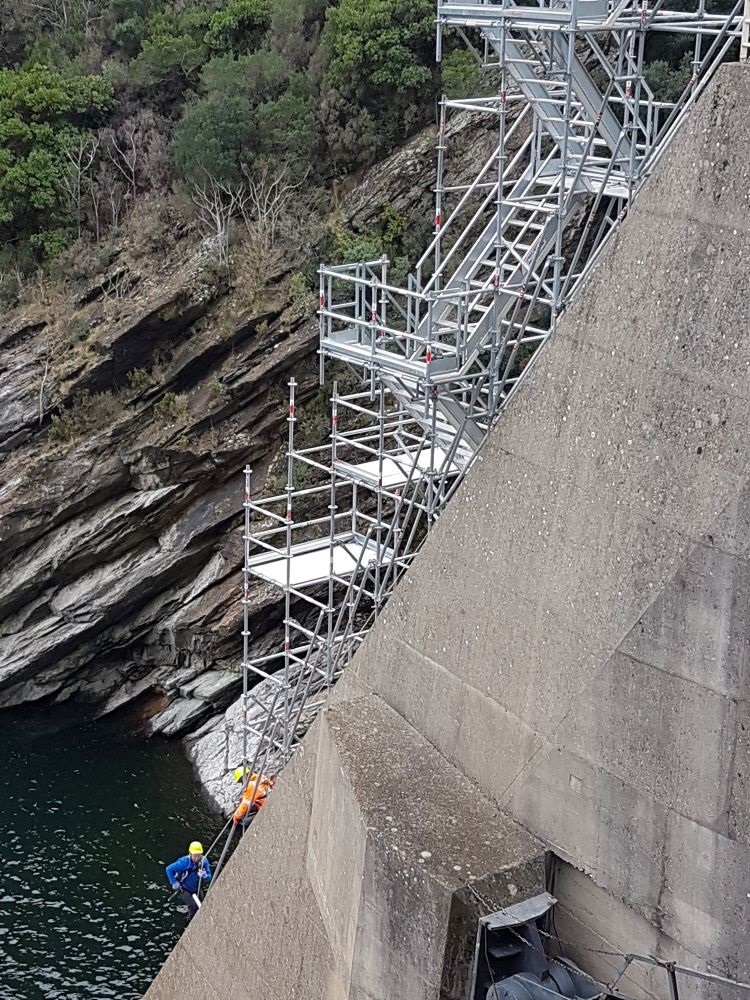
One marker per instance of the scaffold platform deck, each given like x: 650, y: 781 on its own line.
x: 393, y: 472
x: 307, y: 564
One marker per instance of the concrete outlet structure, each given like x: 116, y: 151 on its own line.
x: 564, y: 669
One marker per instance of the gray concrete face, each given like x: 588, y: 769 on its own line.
x: 361, y: 877
x: 566, y: 661
x: 583, y: 604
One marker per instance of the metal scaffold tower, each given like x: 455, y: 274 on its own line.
x: 578, y: 131
x: 334, y: 543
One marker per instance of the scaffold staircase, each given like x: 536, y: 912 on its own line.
x: 577, y: 132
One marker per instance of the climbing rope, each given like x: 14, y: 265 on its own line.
x: 220, y: 862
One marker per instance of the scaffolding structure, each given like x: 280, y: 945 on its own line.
x: 334, y: 543
x: 578, y: 131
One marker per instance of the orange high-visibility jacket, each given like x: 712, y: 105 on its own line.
x: 254, y: 796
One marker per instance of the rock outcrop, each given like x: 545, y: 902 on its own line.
x: 123, y: 446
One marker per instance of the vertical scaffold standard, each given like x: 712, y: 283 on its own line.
x: 577, y: 132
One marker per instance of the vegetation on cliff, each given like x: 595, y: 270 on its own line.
x: 231, y: 102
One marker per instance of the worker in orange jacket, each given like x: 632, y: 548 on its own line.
x: 254, y: 796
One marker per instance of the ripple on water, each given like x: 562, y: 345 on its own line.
x: 84, y: 907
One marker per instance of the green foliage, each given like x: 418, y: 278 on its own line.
x: 381, y: 44
x: 171, y: 409
x: 667, y: 82
x: 348, y: 245
x: 58, y: 51
x: 62, y: 428
x: 214, y: 137
x: 395, y: 224
x: 349, y: 132
x: 300, y: 289
x: 215, y: 387
x: 261, y: 76
x: 139, y: 380
x: 85, y: 416
x: 239, y: 26
x: 174, y: 46
x: 128, y: 24
x: 460, y: 74
x: 42, y: 115
x: 285, y: 126
x: 252, y: 107
x: 381, y: 80
x: 294, y: 31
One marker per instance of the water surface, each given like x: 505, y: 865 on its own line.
x: 89, y: 816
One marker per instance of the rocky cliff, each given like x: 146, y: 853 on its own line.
x: 131, y: 396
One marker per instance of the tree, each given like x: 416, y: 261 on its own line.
x: 460, y: 74
x: 215, y: 136
x: 215, y: 203
x: 295, y: 29
x: 127, y: 24
x: 380, y: 45
x: 107, y: 194
x: 348, y: 134
x: 76, y: 178
x: 174, y: 48
x: 668, y: 83
x: 260, y: 76
x: 239, y: 26
x: 380, y: 62
x: 285, y: 126
x: 43, y: 115
x: 138, y: 150
x: 266, y: 205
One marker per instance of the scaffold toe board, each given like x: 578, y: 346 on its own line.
x: 310, y: 562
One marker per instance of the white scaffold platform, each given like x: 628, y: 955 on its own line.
x: 310, y: 562
x: 399, y: 470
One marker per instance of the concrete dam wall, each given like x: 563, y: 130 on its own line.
x: 561, y: 681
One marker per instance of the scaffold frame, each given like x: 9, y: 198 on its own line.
x: 578, y: 131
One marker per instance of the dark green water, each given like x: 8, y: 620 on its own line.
x: 89, y: 817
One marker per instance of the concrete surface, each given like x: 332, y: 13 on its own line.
x: 585, y: 597
x: 569, y: 648
x: 354, y: 880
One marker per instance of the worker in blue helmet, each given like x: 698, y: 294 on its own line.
x: 188, y: 875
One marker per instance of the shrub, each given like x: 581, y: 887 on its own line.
x: 87, y: 414
x: 460, y: 74
x: 239, y: 25
x: 139, y: 380
x: 171, y: 409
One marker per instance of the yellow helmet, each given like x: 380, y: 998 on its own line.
x: 240, y: 772
x: 196, y: 847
